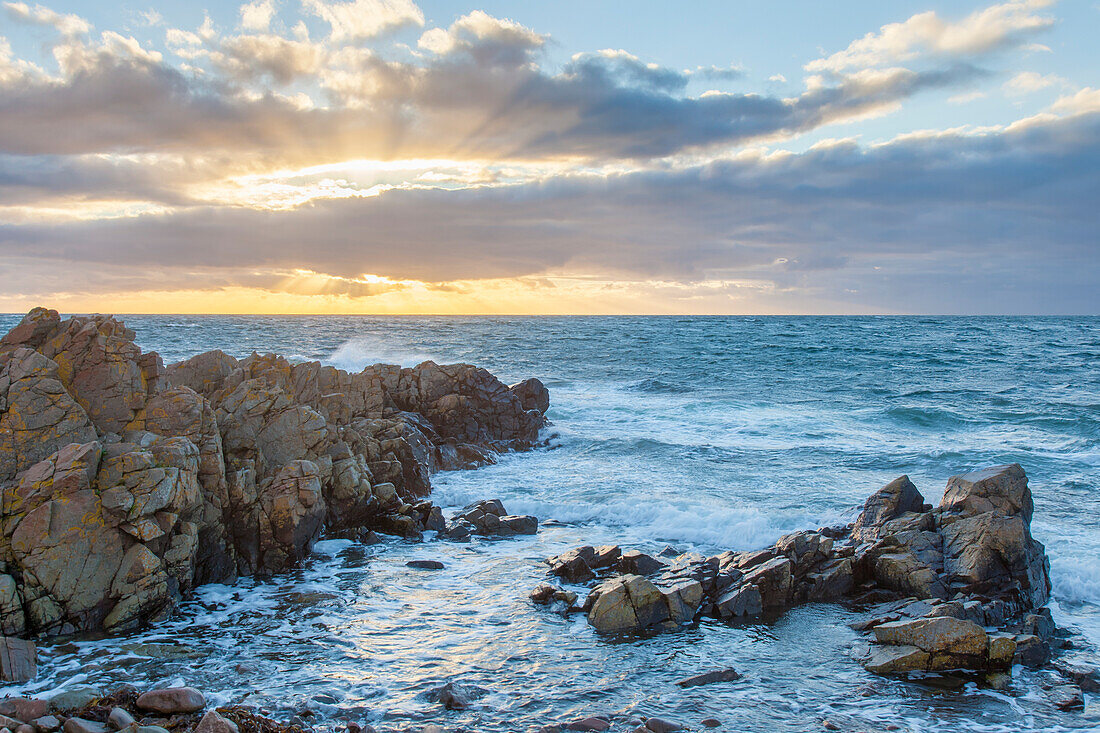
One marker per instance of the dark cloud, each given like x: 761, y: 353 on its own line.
x: 998, y: 221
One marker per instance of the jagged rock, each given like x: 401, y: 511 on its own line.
x: 37, y: 416
x: 985, y: 519
x: 894, y: 659
x: 890, y: 502
x: 634, y: 562
x: 773, y: 580
x: 1031, y: 651
x: 626, y: 603
x: 489, y: 518
x: 743, y: 601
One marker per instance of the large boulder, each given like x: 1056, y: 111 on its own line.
x: 937, y: 644
x: 985, y: 521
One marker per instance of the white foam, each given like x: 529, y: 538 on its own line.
x: 363, y: 351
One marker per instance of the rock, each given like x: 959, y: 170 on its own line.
x: 75, y: 698
x: 46, y: 724
x: 627, y: 603
x: 1067, y: 697
x: 212, y: 722
x: 23, y: 708
x: 710, y: 722
x: 425, y: 564
x: 895, y: 659
x: 1084, y: 676
x: 710, y: 678
x: 119, y: 719
x: 936, y: 635
x: 890, y: 502
x: 18, y: 660
x: 80, y: 725
x: 589, y: 724
x: 172, y: 700
x: 633, y: 562
x: 659, y: 725
x: 453, y: 697
x: 574, y: 566
x: 489, y: 518
x: 773, y: 579
x: 532, y: 394
x: 1031, y: 651
x: 985, y: 520
x: 742, y: 601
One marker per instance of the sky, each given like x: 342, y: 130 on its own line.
x: 392, y: 156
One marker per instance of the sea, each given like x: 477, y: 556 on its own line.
x: 700, y: 433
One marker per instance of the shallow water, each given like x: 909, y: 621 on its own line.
x: 704, y: 433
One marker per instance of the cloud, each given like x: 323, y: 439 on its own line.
x: 995, y: 27
x: 998, y: 220
x: 486, y: 40
x: 361, y: 19
x: 1029, y: 82
x: 65, y: 24
x: 257, y: 15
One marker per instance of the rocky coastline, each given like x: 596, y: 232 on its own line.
x: 128, y: 483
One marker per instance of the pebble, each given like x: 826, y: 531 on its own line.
x: 80, y: 725
x: 213, y: 722
x: 46, y: 724
x: 119, y: 719
x: 170, y: 700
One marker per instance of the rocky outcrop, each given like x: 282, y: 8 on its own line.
x: 489, y: 519
x: 968, y: 564
x: 126, y: 483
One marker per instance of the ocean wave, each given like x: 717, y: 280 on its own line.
x: 358, y: 353
x: 1076, y: 579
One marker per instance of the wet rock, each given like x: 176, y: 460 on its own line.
x: 1031, y: 651
x: 489, y: 518
x: 23, y: 708
x: 743, y: 601
x: 425, y: 564
x: 532, y: 394
x: 985, y: 521
x: 172, y: 700
x: 589, y: 724
x: 773, y: 580
x: 634, y: 562
x: 75, y: 698
x: 627, y: 603
x: 710, y: 722
x: 454, y: 697
x: 119, y: 719
x: 80, y: 725
x: 46, y: 724
x: 1084, y: 676
x: 710, y: 678
x: 574, y: 566
x: 894, y: 659
x: 18, y: 659
x: 213, y: 722
x: 936, y: 635
x: 1067, y: 697
x: 659, y: 725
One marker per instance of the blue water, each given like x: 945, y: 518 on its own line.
x: 704, y: 433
